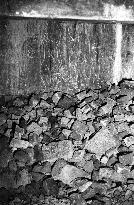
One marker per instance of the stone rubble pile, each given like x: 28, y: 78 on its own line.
x: 59, y: 149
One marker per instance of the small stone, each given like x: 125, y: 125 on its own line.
x: 12, y: 165
x: 81, y: 95
x: 105, y: 173
x: 32, y: 114
x: 76, y: 136
x: 34, y: 101
x: 112, y: 151
x: 34, y: 127
x: 101, y: 142
x: 36, y: 176
x: 120, y: 118
x: 70, y: 123
x: 129, y: 140
x: 31, y: 155
x: 126, y: 159
x: 56, y: 97
x: 26, y: 117
x: 104, y: 159
x: 69, y: 173
x: 50, y: 187
x: 108, y: 107
x: 86, y: 109
x: 44, y: 104
x: 80, y: 127
x: 45, y: 168
x: 64, y: 121
x: 18, y: 144
x: 44, y: 96
x: 76, y: 198
x: 78, y: 156
x: 80, y: 116
x: 65, y: 102
x: 21, y: 157
x: 55, y: 150
x: 112, y: 160
x: 5, y: 157
x: 85, y: 186
x: 68, y: 114
x: 22, y: 122
x: 104, y: 122
x: 24, y: 178
x: 66, y: 132
x: 3, y: 118
x: 88, y: 166
x: 9, y: 123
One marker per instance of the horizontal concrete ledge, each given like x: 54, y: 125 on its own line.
x: 97, y: 10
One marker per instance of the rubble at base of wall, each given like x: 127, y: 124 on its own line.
x: 57, y: 148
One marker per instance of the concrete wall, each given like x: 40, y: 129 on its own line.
x: 68, y: 45
x: 37, y: 54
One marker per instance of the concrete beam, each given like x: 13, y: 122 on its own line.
x: 98, y: 10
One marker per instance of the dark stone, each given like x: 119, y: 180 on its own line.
x: 33, y: 189
x: 3, y: 142
x: 52, y: 120
x: 4, y: 195
x: 38, y: 153
x: 3, y: 128
x: 76, y: 199
x: 22, y: 122
x: 46, y: 138
x: 65, y: 102
x: 21, y: 156
x: 5, y: 157
x: 2, y: 100
x: 50, y: 187
x: 89, y: 193
x: 96, y: 202
x: 49, y: 100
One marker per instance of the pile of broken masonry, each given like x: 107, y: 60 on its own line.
x: 62, y: 149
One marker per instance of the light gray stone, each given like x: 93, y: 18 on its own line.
x: 55, y: 150
x: 69, y: 173
x: 34, y: 127
x: 101, y: 142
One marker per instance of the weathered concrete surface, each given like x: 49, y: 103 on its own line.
x: 128, y: 52
x: 37, y: 54
x: 115, y: 10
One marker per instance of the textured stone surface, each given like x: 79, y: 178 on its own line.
x: 63, y: 149
x: 91, y: 163
x: 101, y: 142
x: 69, y: 173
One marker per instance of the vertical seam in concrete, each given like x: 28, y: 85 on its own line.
x: 117, y: 68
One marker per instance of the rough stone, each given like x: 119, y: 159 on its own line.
x: 88, y: 166
x: 126, y: 159
x: 129, y: 140
x: 78, y: 156
x: 21, y: 157
x: 69, y: 173
x: 64, y: 121
x: 56, y: 97
x: 18, y: 144
x: 101, y: 142
x: 108, y: 107
x: 44, y: 168
x: 80, y: 127
x: 50, y: 187
x: 34, y: 127
x: 55, y: 150
x: 105, y: 173
x: 65, y: 102
x: 3, y: 118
